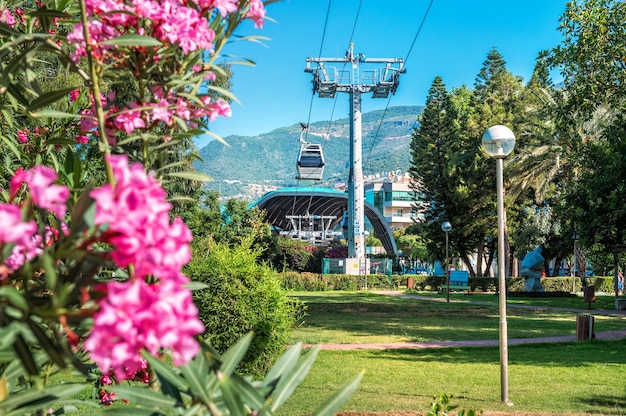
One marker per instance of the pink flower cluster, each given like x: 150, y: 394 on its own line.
x: 133, y: 217
x: 42, y: 191
x: 135, y: 316
x: 136, y: 217
x: 172, y: 22
x: 44, y: 194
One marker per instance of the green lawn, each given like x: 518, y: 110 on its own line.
x: 560, y: 378
x: 367, y: 317
x: 576, y: 377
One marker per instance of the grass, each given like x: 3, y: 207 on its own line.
x: 559, y: 378
x: 602, y: 302
x: 365, y: 318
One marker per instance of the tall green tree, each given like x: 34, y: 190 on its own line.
x: 591, y: 61
x: 430, y: 163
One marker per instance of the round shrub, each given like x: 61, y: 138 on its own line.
x: 242, y: 296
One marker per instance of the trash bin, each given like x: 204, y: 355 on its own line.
x: 589, y: 294
x: 410, y: 283
x: 584, y: 327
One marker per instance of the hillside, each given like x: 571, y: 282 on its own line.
x: 251, y: 166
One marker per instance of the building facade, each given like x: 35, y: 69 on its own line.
x: 393, y: 197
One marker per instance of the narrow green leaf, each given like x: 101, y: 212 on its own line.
x: 11, y: 145
x: 195, y: 285
x: 195, y: 373
x: 50, y: 271
x: 23, y: 353
x: 334, y: 402
x: 250, y: 395
x: 143, y: 396
x: 14, y: 297
x: 284, y: 365
x: 230, y: 396
x: 165, y: 371
x: 49, y: 13
x: 48, y: 98
x: 191, y: 175
x: 288, y: 384
x: 48, y: 346
x: 132, y: 40
x: 54, y: 114
x: 126, y: 411
x: 218, y: 138
x: 17, y: 94
x: 234, y: 355
x: 6, y: 30
x: 46, y: 395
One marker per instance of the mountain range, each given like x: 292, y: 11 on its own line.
x: 250, y: 166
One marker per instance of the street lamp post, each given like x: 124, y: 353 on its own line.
x: 447, y: 227
x: 498, y: 141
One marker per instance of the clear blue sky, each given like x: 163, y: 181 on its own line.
x: 453, y: 43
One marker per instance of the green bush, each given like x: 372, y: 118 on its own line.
x: 241, y: 296
x: 601, y: 284
x: 313, y: 282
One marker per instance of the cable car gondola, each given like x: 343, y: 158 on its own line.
x: 310, y: 160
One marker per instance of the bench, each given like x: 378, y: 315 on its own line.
x: 458, y: 280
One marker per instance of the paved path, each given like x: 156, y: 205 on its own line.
x: 606, y: 335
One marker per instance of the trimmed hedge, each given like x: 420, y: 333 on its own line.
x: 315, y: 282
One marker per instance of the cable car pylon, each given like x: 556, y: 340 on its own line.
x: 327, y: 81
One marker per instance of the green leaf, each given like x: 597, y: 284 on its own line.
x: 41, y: 397
x: 11, y: 145
x: 125, y: 411
x: 195, y: 372
x: 48, y: 98
x: 48, y: 346
x: 231, y: 396
x: 6, y: 30
x: 195, y: 285
x: 234, y: 355
x: 16, y: 299
x: 49, y: 13
x: 191, y: 175
x: 23, y: 352
x: 334, y: 402
x: 284, y: 365
x: 53, y: 114
x: 132, y: 40
x: 143, y: 396
x: 250, y: 395
x: 50, y: 271
x: 166, y: 372
x: 288, y: 384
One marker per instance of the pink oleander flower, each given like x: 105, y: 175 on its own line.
x: 74, y: 95
x: 136, y: 216
x: 82, y: 139
x: 42, y: 191
x: 13, y: 229
x: 130, y: 120
x: 135, y: 316
x: 8, y: 18
x: 256, y: 12
x: 22, y: 136
x: 23, y: 252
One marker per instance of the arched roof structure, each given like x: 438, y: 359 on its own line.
x: 320, y: 201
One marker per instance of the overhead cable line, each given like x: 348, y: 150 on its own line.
x: 419, y: 29
x: 305, y: 128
